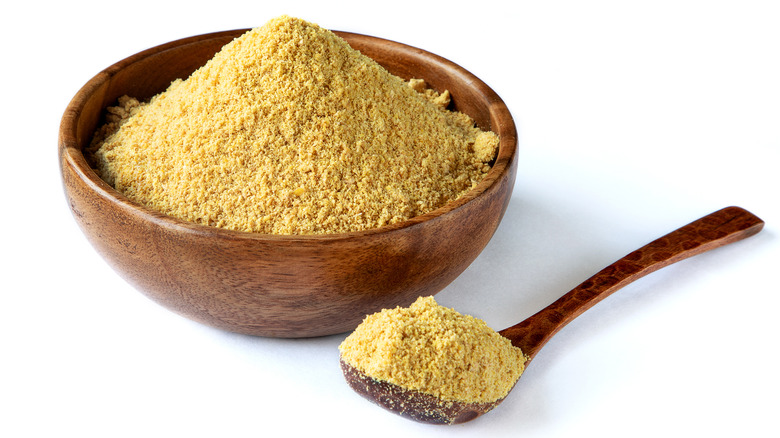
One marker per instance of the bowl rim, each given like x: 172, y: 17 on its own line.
x: 72, y: 155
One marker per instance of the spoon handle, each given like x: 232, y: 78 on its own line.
x: 712, y: 231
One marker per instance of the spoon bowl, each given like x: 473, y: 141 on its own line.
x: 712, y: 231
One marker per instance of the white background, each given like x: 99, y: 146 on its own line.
x: 634, y: 118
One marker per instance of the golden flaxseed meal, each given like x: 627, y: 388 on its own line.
x: 288, y: 130
x: 435, y: 350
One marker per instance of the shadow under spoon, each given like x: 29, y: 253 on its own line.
x: 712, y: 231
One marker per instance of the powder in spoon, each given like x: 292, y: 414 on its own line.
x: 435, y: 350
x: 288, y: 130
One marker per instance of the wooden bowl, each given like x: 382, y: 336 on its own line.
x: 270, y: 285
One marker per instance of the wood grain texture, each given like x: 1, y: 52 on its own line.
x: 413, y: 405
x: 281, y: 286
x: 714, y: 230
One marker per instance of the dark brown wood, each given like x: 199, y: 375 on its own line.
x: 281, y: 286
x: 414, y: 405
x: 712, y: 231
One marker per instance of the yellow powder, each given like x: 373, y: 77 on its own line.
x: 435, y: 350
x: 288, y: 130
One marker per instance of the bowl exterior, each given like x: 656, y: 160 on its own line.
x: 279, y: 286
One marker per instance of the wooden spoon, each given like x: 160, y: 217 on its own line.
x: 714, y: 230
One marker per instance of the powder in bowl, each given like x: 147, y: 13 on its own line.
x: 288, y: 130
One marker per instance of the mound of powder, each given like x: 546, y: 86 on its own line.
x: 288, y: 130
x: 435, y: 350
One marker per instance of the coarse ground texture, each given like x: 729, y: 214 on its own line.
x: 435, y: 350
x: 288, y: 130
